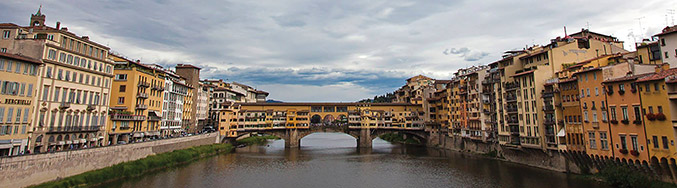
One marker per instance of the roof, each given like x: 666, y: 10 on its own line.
x: 668, y: 30
x: 187, y: 66
x: 20, y: 58
x: 588, y: 70
x: 260, y: 92
x: 523, y: 73
x: 626, y: 78
x: 658, y: 76
x: 534, y: 54
x: 568, y: 80
x: 326, y: 104
x: 442, y: 81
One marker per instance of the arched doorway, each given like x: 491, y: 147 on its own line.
x: 315, y: 119
x: 328, y: 119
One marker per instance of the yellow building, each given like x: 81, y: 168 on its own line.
x: 136, y: 108
x: 74, y: 88
x: 648, y: 52
x: 18, y: 100
x: 657, y: 110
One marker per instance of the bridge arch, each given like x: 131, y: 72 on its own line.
x: 315, y: 119
x: 328, y: 119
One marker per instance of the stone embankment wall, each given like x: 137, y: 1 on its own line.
x: 22, y: 171
x: 561, y: 161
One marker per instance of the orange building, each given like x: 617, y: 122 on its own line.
x: 627, y: 127
x: 592, y: 99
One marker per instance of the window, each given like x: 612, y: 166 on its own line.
x: 594, y: 116
x: 655, y: 87
x: 6, y: 34
x: 49, y: 72
x: 121, y: 100
x: 591, y: 136
x: 655, y: 142
x: 10, y: 113
x: 596, y: 91
x: 9, y: 66
x: 25, y: 115
x: 647, y: 87
x: 604, y: 116
x: 585, y: 115
x: 621, y: 87
x: 588, y: 92
x: 123, y: 88
x: 660, y: 109
x: 633, y: 141
x: 45, y: 93
x: 56, y: 94
x: 664, y: 138
x: 2, y: 114
x: 603, y: 142
x: 121, y: 77
x: 624, y: 144
x: 624, y: 110
x: 638, y: 113
x: 666, y: 55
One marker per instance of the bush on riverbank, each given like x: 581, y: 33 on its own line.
x: 398, y: 138
x: 138, y: 167
x: 618, y: 176
x: 257, y: 140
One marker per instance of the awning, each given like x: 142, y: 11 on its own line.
x: 61, y: 143
x: 136, y: 135
x: 69, y: 142
x: 100, y: 137
x: 76, y: 141
x: 92, y: 139
x: 561, y: 133
x: 82, y: 140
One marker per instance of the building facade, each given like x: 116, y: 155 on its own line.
x: 19, y: 76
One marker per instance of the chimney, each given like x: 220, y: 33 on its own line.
x: 85, y: 37
x: 64, y: 29
x: 58, y: 25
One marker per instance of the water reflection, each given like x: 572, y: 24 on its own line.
x: 332, y: 160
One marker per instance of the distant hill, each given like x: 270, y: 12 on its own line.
x: 387, y: 98
x: 273, y: 101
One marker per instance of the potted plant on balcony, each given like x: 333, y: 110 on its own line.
x: 621, y: 92
x: 634, y: 152
x: 637, y: 122
x: 625, y: 121
x: 623, y: 151
x: 650, y: 116
x: 660, y: 116
x: 613, y: 121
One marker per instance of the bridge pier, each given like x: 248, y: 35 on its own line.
x: 292, y: 139
x: 364, y: 139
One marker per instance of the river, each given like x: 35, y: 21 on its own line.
x: 331, y: 160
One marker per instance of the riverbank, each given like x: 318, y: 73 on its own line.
x: 256, y: 140
x: 139, y: 167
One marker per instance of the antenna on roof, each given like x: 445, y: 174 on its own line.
x: 671, y: 12
x: 587, y: 25
x: 565, y: 31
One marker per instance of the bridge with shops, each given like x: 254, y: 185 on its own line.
x: 293, y: 121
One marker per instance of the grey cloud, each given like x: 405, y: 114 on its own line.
x: 312, y: 43
x: 466, y: 54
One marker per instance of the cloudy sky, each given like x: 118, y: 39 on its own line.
x: 328, y: 50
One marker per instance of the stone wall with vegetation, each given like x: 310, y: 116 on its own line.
x: 21, y: 171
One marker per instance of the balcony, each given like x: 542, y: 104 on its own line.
x: 144, y: 84
x: 547, y: 95
x: 90, y: 107
x: 548, y: 122
x: 511, y: 109
x: 157, y: 87
x: 510, y: 98
x: 73, y: 129
x: 141, y: 107
x: 64, y: 105
x: 127, y: 117
x: 513, y: 122
x: 514, y: 130
x: 142, y: 95
x: 548, y: 108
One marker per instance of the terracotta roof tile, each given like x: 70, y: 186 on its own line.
x: 659, y: 75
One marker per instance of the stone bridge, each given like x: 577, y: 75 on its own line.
x: 364, y: 135
x: 293, y: 121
